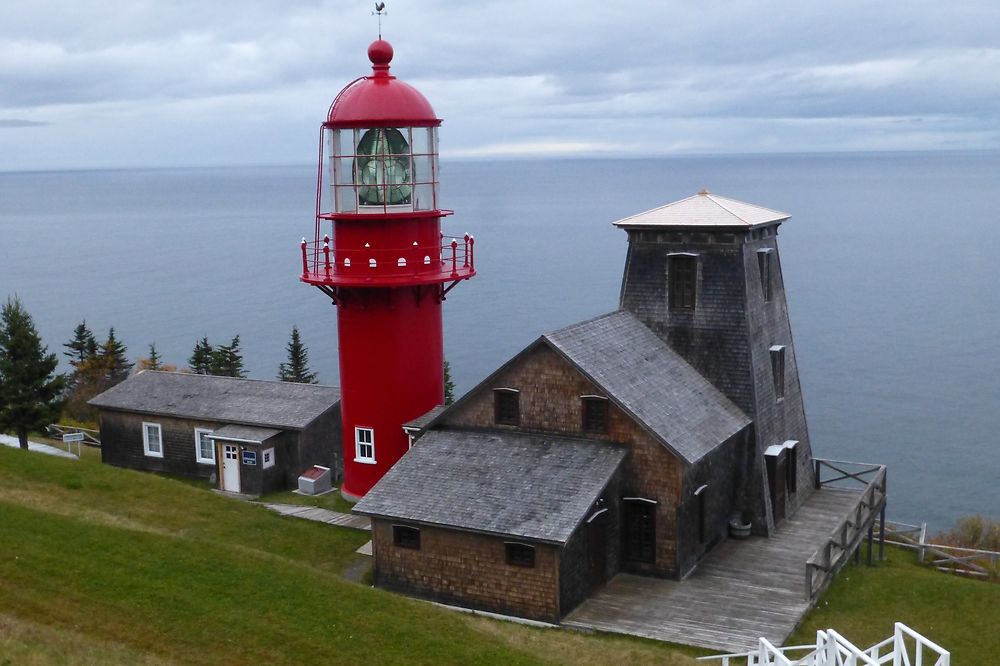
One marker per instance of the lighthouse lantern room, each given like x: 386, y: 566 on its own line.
x: 379, y: 254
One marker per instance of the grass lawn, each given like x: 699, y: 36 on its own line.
x: 100, y: 565
x: 959, y: 614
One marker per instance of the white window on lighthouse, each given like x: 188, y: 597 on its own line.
x: 364, y: 445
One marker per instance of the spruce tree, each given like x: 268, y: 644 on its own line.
x: 297, y: 368
x: 449, y: 386
x: 227, y: 360
x: 154, y: 362
x: 114, y: 360
x: 82, y: 346
x: 201, y: 359
x: 29, y: 387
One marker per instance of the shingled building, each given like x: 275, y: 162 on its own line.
x: 251, y: 436
x: 629, y: 442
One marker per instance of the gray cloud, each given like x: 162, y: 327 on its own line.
x: 194, y: 82
x: 14, y: 123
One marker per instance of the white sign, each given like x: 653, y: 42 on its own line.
x: 73, y: 437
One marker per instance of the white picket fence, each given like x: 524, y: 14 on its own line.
x: 904, y: 648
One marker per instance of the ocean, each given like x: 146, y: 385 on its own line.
x: 891, y: 264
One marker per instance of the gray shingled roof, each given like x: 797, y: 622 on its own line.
x: 511, y: 484
x: 651, y: 381
x: 283, y: 405
x: 704, y: 210
x: 424, y: 419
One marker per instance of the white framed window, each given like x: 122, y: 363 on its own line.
x: 267, y: 458
x: 152, y: 440
x: 364, y: 445
x: 204, y: 446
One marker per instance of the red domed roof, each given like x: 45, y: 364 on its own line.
x: 380, y: 100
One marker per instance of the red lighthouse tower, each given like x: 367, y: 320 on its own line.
x: 379, y: 254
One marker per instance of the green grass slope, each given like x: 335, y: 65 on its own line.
x: 100, y: 565
x: 959, y: 614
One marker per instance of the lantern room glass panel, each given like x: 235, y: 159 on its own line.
x: 383, y: 169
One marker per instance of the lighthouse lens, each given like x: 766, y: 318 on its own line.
x: 382, y: 168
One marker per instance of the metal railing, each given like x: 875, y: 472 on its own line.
x: 905, y: 647
x: 845, y: 539
x: 454, y: 257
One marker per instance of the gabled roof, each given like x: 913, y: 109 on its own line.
x: 512, y: 484
x: 651, y: 382
x: 282, y: 405
x: 704, y: 210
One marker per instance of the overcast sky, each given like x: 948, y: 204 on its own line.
x: 106, y: 83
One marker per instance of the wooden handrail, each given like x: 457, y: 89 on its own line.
x: 824, y: 563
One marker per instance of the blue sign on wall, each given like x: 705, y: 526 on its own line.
x: 249, y: 457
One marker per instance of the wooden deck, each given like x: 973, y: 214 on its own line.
x: 741, y: 591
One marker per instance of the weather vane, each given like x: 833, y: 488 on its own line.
x: 379, y: 11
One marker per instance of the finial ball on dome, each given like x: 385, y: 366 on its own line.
x: 380, y: 52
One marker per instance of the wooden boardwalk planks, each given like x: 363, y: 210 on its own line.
x: 322, y: 515
x: 742, y: 590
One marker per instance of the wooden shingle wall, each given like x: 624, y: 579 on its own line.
x: 727, y: 338
x: 775, y: 420
x: 550, y: 389
x: 469, y: 570
x: 712, y: 337
x: 121, y: 443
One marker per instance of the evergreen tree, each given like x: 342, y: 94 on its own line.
x: 29, y: 387
x: 114, y: 360
x: 82, y: 346
x: 449, y: 386
x: 297, y: 368
x: 227, y: 360
x: 201, y: 360
x: 153, y: 362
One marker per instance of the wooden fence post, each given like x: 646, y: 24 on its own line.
x: 920, y: 544
x: 871, y: 539
x: 881, y: 533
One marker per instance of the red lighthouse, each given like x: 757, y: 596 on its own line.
x: 379, y: 254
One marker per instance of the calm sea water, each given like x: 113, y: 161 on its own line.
x: 891, y: 264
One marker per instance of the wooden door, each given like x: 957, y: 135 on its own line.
x: 597, y: 548
x: 230, y: 468
x: 640, y: 530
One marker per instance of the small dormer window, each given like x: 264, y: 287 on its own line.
x: 506, y: 406
x: 764, y: 266
x: 778, y: 370
x: 595, y: 414
x: 683, y: 279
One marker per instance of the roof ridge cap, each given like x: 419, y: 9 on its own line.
x: 226, y: 377
x: 726, y: 208
x: 583, y: 323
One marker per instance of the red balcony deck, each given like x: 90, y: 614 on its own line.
x: 325, y: 265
